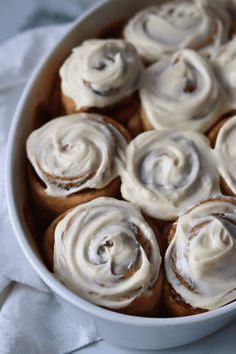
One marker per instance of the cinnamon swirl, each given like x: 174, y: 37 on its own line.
x: 161, y: 30
x: 182, y: 93
x: 74, y: 159
x: 200, y: 260
x: 167, y: 172
x: 102, y: 76
x: 106, y: 252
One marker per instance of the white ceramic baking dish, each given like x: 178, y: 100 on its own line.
x: 123, y: 330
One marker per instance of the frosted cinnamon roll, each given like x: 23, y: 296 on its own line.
x: 161, y: 30
x: 74, y: 159
x: 225, y: 65
x: 107, y: 253
x: 182, y: 93
x: 102, y: 75
x: 223, y: 136
x: 200, y: 260
x: 167, y: 172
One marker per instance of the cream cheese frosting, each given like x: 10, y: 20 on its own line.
x: 225, y: 146
x: 99, y: 255
x: 182, y: 92
x: 204, y: 252
x: 161, y: 30
x: 76, y: 152
x: 167, y: 172
x: 225, y: 65
x: 100, y: 73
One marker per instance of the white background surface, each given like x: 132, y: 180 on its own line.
x: 16, y: 15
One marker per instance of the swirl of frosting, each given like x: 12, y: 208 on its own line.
x: 200, y: 260
x: 225, y: 146
x: 161, y: 30
x: 225, y: 65
x: 76, y: 152
x: 106, y: 252
x: 100, y: 73
x: 182, y: 92
x: 167, y: 172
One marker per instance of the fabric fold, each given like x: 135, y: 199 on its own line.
x: 32, y: 318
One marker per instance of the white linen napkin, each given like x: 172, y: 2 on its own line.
x: 32, y: 319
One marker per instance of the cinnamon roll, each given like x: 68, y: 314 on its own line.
x: 167, y: 172
x: 161, y: 30
x: 107, y: 253
x: 74, y: 159
x: 223, y: 136
x: 102, y: 76
x: 200, y: 260
x: 225, y: 67
x: 182, y: 93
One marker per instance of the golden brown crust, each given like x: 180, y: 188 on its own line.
x: 157, y: 231
x: 124, y: 112
x: 68, y: 105
x: 233, y: 28
x: 142, y: 306
x: 113, y: 31
x: 55, y: 104
x: 147, y: 306
x: 48, y: 241
x: 50, y: 207
x: 119, y: 127
x: 121, y: 111
x: 134, y: 124
x: 171, y: 233
x: 145, y: 121
x: 214, y: 131
x: 176, y: 307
